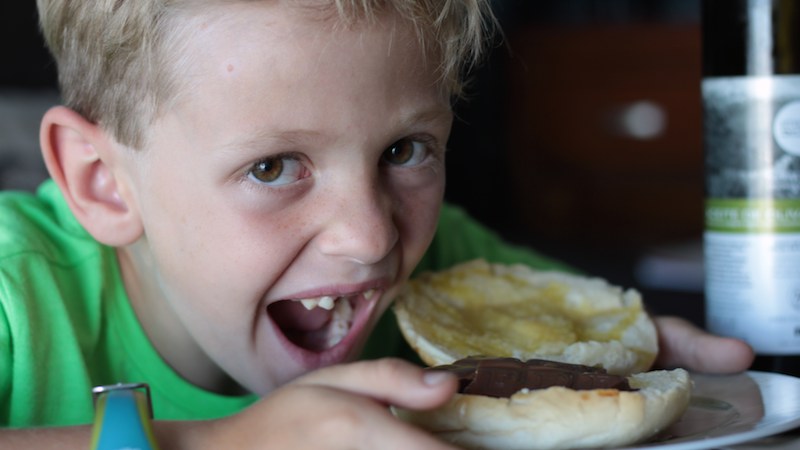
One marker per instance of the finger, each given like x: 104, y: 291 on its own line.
x: 395, y: 434
x: 684, y: 345
x: 390, y: 381
x: 309, y: 415
x: 405, y: 436
x: 345, y: 419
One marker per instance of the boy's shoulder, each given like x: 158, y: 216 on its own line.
x: 60, y: 291
x: 41, y: 223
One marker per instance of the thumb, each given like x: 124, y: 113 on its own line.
x: 684, y: 345
x: 389, y: 381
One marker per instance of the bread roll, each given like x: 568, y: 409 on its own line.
x: 561, y: 418
x: 478, y: 308
x: 497, y: 310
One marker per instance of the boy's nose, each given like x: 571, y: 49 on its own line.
x: 361, y: 227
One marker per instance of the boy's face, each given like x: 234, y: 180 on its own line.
x: 303, y: 161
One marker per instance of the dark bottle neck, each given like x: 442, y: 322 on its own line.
x: 789, y: 365
x: 751, y: 37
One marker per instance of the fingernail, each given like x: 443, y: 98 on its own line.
x: 435, y: 377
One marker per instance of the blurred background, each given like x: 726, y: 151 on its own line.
x: 580, y: 137
x: 583, y: 139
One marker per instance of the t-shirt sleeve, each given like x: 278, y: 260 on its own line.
x: 5, y: 357
x: 460, y: 238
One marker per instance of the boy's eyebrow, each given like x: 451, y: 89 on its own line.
x: 295, y: 137
x: 427, y: 116
x: 256, y: 141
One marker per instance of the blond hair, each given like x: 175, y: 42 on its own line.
x: 114, y: 65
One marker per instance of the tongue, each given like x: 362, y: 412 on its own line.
x: 314, y: 330
x: 291, y: 315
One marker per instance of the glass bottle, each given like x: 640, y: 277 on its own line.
x: 751, y: 110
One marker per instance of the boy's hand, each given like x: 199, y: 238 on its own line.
x: 343, y: 406
x: 684, y: 345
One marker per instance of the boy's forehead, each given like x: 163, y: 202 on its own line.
x: 240, y: 30
x: 269, y: 59
x: 284, y: 20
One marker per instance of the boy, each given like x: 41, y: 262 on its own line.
x: 242, y: 189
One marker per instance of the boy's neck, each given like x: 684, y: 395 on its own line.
x: 162, y: 327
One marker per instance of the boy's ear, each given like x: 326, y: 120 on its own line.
x: 79, y: 156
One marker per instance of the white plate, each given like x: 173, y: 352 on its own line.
x: 727, y: 410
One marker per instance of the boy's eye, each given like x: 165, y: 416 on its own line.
x: 405, y: 152
x: 277, y: 171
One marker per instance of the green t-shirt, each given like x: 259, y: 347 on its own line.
x: 66, y: 324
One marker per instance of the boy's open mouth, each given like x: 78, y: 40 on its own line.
x: 317, y: 324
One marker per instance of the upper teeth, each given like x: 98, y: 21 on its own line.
x: 328, y: 301
x: 325, y: 302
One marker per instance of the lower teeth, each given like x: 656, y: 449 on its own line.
x: 341, y: 320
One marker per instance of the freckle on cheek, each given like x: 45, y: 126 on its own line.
x: 230, y: 68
